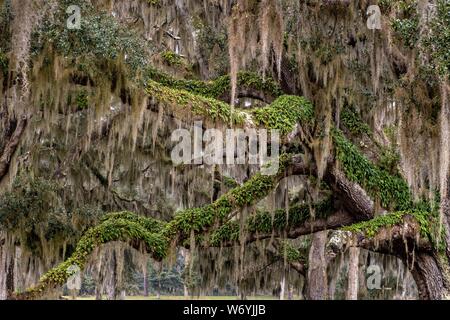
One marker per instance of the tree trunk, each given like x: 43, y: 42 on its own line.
x: 317, y: 270
x: 145, y: 282
x: 282, y: 287
x: 429, y: 277
x: 187, y: 262
x: 353, y: 272
x: 11, y: 146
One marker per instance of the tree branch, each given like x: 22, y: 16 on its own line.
x: 12, y: 145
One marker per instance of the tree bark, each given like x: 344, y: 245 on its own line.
x: 11, y: 146
x: 429, y: 277
x: 145, y: 282
x: 353, y: 272
x: 317, y: 269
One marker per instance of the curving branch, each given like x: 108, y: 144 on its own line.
x: 157, y: 237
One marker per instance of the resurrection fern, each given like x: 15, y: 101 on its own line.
x: 407, y: 30
x: 117, y: 229
x: 292, y: 253
x: 392, y: 190
x: 353, y: 122
x: 370, y: 228
x: 218, y: 87
x: 285, y: 112
x: 156, y: 236
x: 172, y: 59
x: 198, y: 219
x: 150, y: 224
x: 199, y: 105
x: 265, y: 222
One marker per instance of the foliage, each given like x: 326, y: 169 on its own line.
x: 213, y: 46
x: 439, y: 40
x: 29, y: 206
x: 199, y: 105
x: 266, y: 222
x: 150, y: 224
x: 292, y: 253
x: 156, y: 236
x: 168, y: 280
x: 407, y: 30
x: 229, y: 182
x: 113, y: 229
x: 227, y: 232
x: 353, y: 122
x: 370, y: 228
x: 389, y: 160
x: 198, y: 219
x: 285, y: 112
x: 325, y: 51
x: 298, y: 214
x: 172, y: 59
x: 218, y: 87
x: 100, y: 37
x: 391, y: 190
x: 81, y: 100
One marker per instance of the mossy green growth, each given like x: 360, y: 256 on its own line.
x: 227, y: 232
x: 257, y: 187
x: 285, y: 112
x: 406, y: 24
x: 292, y: 254
x: 392, y: 190
x: 126, y: 226
x: 82, y: 100
x: 353, y: 122
x: 101, y: 37
x: 371, y: 227
x: 407, y: 30
x: 438, y: 42
x: 198, y: 105
x: 253, y: 80
x: 218, y: 87
x: 116, y: 228
x: 389, y: 160
x: 172, y: 59
x: 150, y: 224
x: 229, y: 182
x: 198, y: 219
x: 266, y: 222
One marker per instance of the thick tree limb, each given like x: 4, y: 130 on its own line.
x: 317, y: 268
x: 334, y: 221
x: 12, y: 145
x: 247, y: 92
x: 404, y: 240
x: 355, y: 199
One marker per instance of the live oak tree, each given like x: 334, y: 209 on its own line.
x: 87, y: 115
